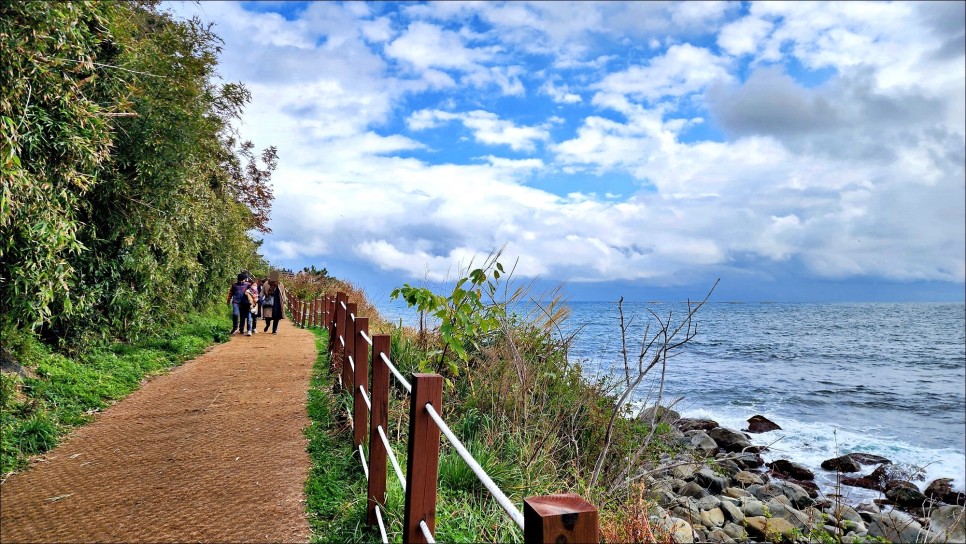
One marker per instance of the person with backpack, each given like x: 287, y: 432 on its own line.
x: 240, y: 306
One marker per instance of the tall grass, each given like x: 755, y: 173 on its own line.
x: 530, y: 418
x: 58, y: 392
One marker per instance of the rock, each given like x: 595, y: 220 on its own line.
x: 731, y: 512
x: 748, y: 460
x: 895, y: 526
x: 731, y: 440
x: 718, y: 535
x: 704, y: 443
x: 746, y: 478
x: 711, y: 481
x: 735, y: 492
x: 684, y: 471
x: 809, y: 486
x: 783, y: 468
x: 712, y: 518
x: 843, y: 512
x: 796, y: 495
x: 735, y: 531
x: 904, y: 494
x: 949, y: 522
x: 852, y: 462
x: 843, y: 463
x: 687, y: 424
x: 659, y: 414
x: 765, y: 529
x: 707, y: 503
x: 753, y: 508
x: 695, y: 490
x: 761, y: 424
x: 867, y: 507
x: 779, y: 508
x: 681, y: 531
x: 869, y: 459
x: 942, y: 490
x: 729, y: 467
x: 876, y: 481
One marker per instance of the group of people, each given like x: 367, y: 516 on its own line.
x: 252, y: 298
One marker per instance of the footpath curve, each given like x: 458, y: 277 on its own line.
x: 212, y: 451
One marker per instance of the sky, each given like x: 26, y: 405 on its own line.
x: 800, y: 151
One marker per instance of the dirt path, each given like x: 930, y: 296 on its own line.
x: 212, y: 452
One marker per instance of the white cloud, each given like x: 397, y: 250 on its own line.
x: 682, y: 70
x: 859, y: 174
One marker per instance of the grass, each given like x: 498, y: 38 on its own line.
x: 61, y: 392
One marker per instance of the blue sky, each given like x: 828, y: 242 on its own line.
x: 799, y: 151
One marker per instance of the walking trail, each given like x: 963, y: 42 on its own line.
x: 212, y: 451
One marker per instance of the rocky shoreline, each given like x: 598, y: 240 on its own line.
x: 721, y: 490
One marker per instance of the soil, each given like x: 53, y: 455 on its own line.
x: 212, y: 451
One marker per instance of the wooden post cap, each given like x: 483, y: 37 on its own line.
x: 563, y: 518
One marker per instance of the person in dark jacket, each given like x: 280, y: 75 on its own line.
x: 273, y: 296
x: 240, y: 306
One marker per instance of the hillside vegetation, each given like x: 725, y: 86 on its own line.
x: 127, y: 205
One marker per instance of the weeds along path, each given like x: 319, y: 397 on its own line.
x: 212, y: 451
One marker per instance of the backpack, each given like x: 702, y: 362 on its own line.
x: 238, y: 292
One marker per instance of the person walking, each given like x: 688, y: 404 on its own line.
x: 273, y: 300
x: 254, y: 297
x: 240, y: 307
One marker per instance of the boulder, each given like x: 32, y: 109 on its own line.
x: 694, y: 490
x: 761, y: 424
x: 748, y: 460
x: 687, y: 424
x: 731, y: 440
x: 876, y: 481
x: 659, y: 414
x: 765, y: 529
x: 735, y: 531
x: 704, y: 443
x: 797, y: 496
x: 783, y: 468
x: 904, y: 494
x: 746, y: 478
x: 852, y: 462
x: 895, y: 526
x: 712, y: 518
x: 842, y: 463
x: 719, y: 536
x: 684, y: 471
x: 732, y: 513
x: 808, y: 485
x: 711, y: 481
x: 735, y: 492
x: 753, y: 508
x: 949, y: 522
x: 681, y: 531
x: 707, y: 503
x: 942, y: 490
x: 779, y: 508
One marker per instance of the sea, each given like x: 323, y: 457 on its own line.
x: 881, y: 378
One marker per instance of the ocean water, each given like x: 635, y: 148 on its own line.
x: 882, y: 378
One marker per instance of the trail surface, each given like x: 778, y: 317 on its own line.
x: 212, y: 451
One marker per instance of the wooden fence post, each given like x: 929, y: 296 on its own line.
x: 559, y: 518
x: 422, y: 464
x: 360, y: 381
x: 348, y: 379
x: 379, y: 417
x: 337, y: 332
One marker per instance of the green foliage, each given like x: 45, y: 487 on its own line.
x: 465, y: 318
x: 122, y: 175
x: 60, y: 392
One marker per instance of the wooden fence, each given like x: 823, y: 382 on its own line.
x: 560, y: 518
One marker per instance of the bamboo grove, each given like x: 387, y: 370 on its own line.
x: 127, y: 196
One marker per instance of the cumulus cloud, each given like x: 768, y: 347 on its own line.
x: 414, y: 137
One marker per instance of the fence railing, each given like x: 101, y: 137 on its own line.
x: 550, y: 518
